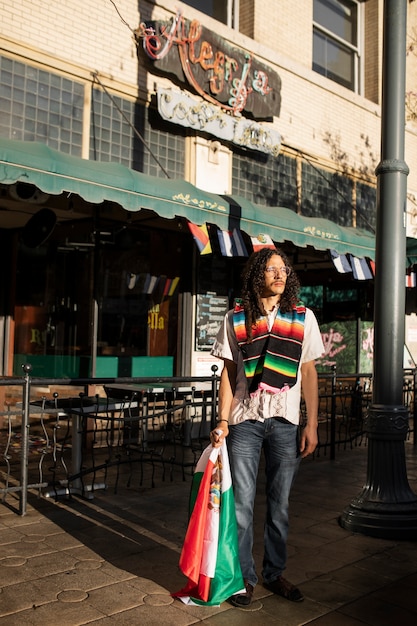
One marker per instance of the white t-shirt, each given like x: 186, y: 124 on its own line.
x: 265, y: 404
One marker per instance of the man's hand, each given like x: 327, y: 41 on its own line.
x: 218, y: 435
x: 309, y: 440
x: 309, y: 437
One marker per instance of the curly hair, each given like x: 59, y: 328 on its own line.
x: 253, y: 283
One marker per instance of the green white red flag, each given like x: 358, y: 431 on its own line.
x: 262, y: 241
x: 209, y: 556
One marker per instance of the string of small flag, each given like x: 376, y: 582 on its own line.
x: 410, y: 277
x: 152, y: 285
x: 345, y: 263
x: 364, y: 269
x: 201, y: 237
x: 232, y: 244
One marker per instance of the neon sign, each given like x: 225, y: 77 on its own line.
x: 228, y: 77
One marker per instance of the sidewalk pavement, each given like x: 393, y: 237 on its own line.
x: 113, y: 560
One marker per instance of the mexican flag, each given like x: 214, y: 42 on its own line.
x: 209, y: 556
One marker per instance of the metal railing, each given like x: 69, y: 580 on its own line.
x: 67, y: 443
x: 343, y: 403
x: 72, y: 442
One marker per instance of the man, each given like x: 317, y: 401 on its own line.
x: 269, y: 343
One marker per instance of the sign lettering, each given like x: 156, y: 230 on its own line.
x: 223, y: 75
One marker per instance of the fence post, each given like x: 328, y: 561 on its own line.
x: 333, y: 417
x: 414, y: 407
x: 24, y: 459
x: 214, y: 369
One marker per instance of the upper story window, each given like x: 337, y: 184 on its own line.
x: 226, y: 11
x: 336, y: 41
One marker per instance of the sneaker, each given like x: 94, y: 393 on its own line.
x: 284, y: 588
x: 243, y: 600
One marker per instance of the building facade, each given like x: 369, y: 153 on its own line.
x: 146, y: 148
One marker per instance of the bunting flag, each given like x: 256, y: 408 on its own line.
x: 149, y: 284
x: 167, y: 286
x: 372, y: 265
x: 225, y: 242
x: 410, y: 278
x: 201, y: 237
x: 238, y: 243
x: 209, y: 556
x: 158, y: 288
x: 131, y: 280
x: 262, y: 241
x: 173, y: 285
x: 341, y: 262
x: 360, y: 268
x: 232, y: 243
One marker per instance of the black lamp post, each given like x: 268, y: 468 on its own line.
x: 386, y: 507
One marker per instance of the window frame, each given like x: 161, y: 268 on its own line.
x: 355, y: 50
x: 232, y: 12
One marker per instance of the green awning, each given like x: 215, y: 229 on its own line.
x: 54, y: 172
x: 411, y: 251
x: 285, y: 225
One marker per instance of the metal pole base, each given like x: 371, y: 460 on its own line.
x: 394, y: 525
x: 86, y: 492
x: 386, y: 507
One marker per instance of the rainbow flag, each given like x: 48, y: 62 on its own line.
x: 201, y: 237
x: 209, y: 556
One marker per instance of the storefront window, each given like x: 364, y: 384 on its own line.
x: 52, y: 310
x: 132, y: 275
x: 138, y: 284
x: 218, y: 284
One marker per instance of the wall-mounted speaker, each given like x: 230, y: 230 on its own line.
x: 28, y: 193
x: 39, y: 228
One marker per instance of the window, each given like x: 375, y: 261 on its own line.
x: 113, y: 139
x: 336, y: 41
x: 326, y: 195
x: 36, y: 105
x: 223, y: 11
x: 264, y: 179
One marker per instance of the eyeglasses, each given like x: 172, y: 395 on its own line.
x: 284, y: 270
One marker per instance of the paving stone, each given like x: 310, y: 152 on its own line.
x: 114, y: 560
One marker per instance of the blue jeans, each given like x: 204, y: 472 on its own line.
x: 280, y: 443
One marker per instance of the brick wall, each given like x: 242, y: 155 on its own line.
x: 83, y: 32
x: 373, y: 11
x: 286, y: 28
x: 317, y: 116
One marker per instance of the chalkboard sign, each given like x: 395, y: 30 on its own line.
x: 211, y: 310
